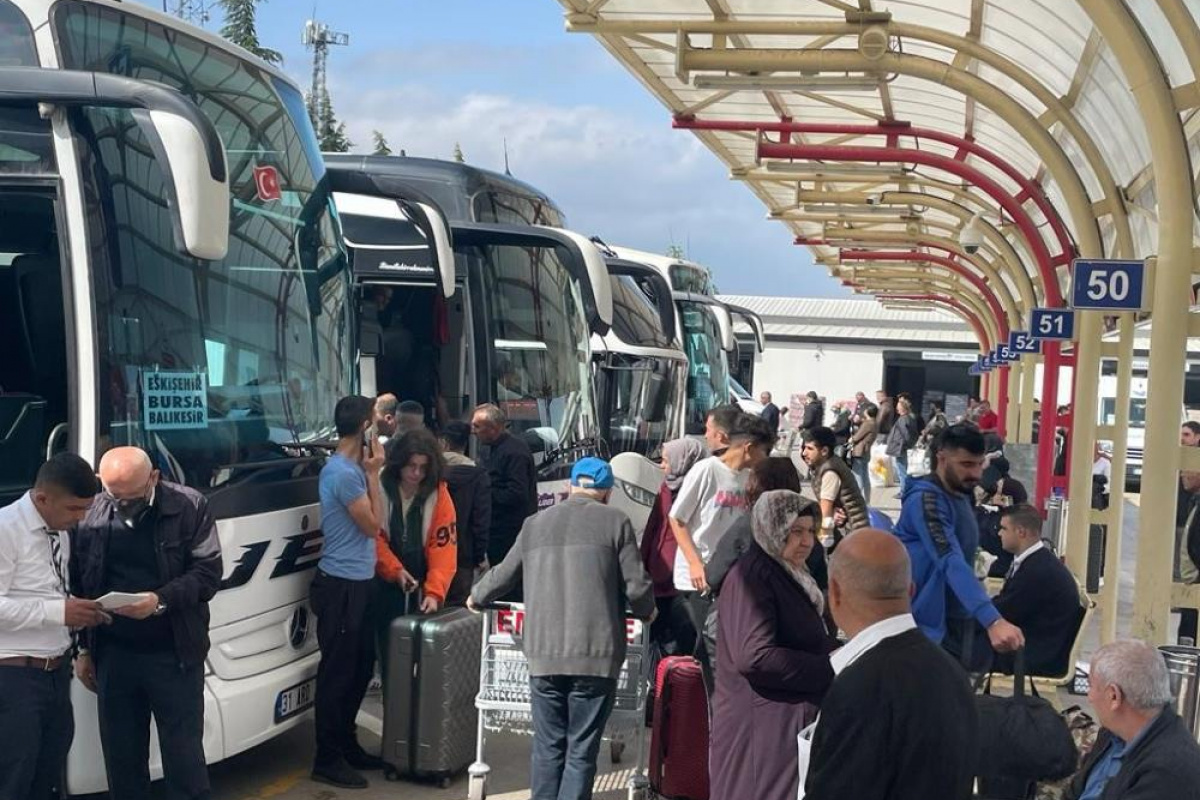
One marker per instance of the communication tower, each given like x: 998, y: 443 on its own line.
x: 318, y: 38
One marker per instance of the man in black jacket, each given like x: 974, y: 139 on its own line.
x: 770, y: 411
x: 899, y: 722
x: 471, y: 490
x: 156, y: 539
x: 1040, y: 596
x: 1144, y: 751
x: 509, y: 463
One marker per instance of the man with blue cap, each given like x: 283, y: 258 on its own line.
x: 581, y: 570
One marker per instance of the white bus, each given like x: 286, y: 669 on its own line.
x: 172, y: 276
x: 641, y: 382
x: 704, y: 329
x: 505, y: 319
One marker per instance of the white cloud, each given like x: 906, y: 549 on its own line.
x: 632, y: 181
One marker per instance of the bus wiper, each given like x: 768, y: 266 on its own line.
x: 589, y: 443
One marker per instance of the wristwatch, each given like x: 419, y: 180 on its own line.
x: 160, y: 609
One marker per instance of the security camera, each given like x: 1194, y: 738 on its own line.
x: 971, y: 235
x: 874, y: 199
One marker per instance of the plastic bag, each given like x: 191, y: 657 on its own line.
x: 882, y: 470
x: 918, y: 462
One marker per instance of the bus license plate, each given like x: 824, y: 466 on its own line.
x: 295, y: 700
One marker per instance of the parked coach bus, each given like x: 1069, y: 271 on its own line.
x: 505, y: 319
x: 172, y: 276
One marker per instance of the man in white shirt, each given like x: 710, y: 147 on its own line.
x: 888, y: 671
x: 36, y: 617
x: 711, y: 499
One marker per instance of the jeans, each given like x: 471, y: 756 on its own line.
x: 569, y: 714
x: 861, y: 466
x: 36, y: 729
x: 901, y: 470
x: 131, y: 686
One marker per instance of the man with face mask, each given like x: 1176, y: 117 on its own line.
x: 937, y: 526
x: 156, y: 539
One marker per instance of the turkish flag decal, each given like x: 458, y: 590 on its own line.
x: 266, y: 183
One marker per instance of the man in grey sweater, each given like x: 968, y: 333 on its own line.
x: 581, y: 570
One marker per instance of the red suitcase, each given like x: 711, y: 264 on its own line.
x: 679, y: 735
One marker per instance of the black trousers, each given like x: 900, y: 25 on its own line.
x: 130, y: 687
x: 346, y: 638
x: 36, y: 728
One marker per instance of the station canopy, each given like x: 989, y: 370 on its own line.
x: 779, y: 90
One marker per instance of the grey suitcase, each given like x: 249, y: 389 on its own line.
x: 431, y: 679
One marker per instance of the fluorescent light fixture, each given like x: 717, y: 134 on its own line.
x: 856, y: 168
x: 790, y: 83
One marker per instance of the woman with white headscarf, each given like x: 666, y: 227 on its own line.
x: 772, y: 654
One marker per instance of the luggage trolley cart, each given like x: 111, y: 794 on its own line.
x: 504, y: 702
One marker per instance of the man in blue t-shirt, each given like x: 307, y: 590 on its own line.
x: 351, y: 517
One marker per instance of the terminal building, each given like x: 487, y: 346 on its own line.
x: 839, y: 346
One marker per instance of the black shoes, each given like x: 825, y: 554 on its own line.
x: 364, y: 760
x: 339, y: 774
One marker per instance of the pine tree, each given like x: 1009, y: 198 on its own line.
x: 330, y: 133
x: 240, y: 29
x: 458, y: 154
x: 381, y: 145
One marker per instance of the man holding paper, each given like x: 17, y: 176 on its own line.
x: 36, y: 617
x: 154, y: 543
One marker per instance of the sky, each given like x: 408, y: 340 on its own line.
x: 578, y: 125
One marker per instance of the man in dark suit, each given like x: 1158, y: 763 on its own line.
x: 1040, y: 596
x: 895, y: 691
x: 770, y: 411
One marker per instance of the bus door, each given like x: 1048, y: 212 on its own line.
x: 35, y: 372
x: 413, y: 320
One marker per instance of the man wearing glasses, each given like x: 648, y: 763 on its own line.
x: 157, y: 540
x: 36, y: 618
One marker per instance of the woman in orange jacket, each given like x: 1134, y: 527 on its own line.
x: 419, y: 547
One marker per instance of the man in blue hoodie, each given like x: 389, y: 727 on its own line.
x: 937, y: 526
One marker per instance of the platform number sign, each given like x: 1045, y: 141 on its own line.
x: 1052, y: 323
x: 976, y: 368
x: 1021, y: 342
x: 1004, y: 355
x: 1108, y: 284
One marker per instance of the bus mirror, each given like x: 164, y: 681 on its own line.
x: 185, y: 142
x: 200, y: 201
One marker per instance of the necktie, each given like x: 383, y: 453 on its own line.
x: 56, y: 560
x: 1012, y: 570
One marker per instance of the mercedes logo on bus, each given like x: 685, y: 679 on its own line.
x: 298, y: 627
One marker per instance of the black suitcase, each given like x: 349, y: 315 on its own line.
x: 429, y: 688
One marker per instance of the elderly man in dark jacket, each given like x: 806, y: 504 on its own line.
x: 814, y: 413
x: 509, y: 463
x: 155, y: 539
x: 898, y: 723
x: 471, y: 490
x: 1144, y: 751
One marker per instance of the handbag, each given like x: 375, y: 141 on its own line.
x: 1022, y: 737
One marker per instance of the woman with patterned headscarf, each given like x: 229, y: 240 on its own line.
x: 772, y: 654
x: 658, y: 541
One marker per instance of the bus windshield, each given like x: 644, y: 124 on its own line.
x: 540, y: 338
x: 708, y: 371
x: 221, y: 369
x: 642, y: 401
